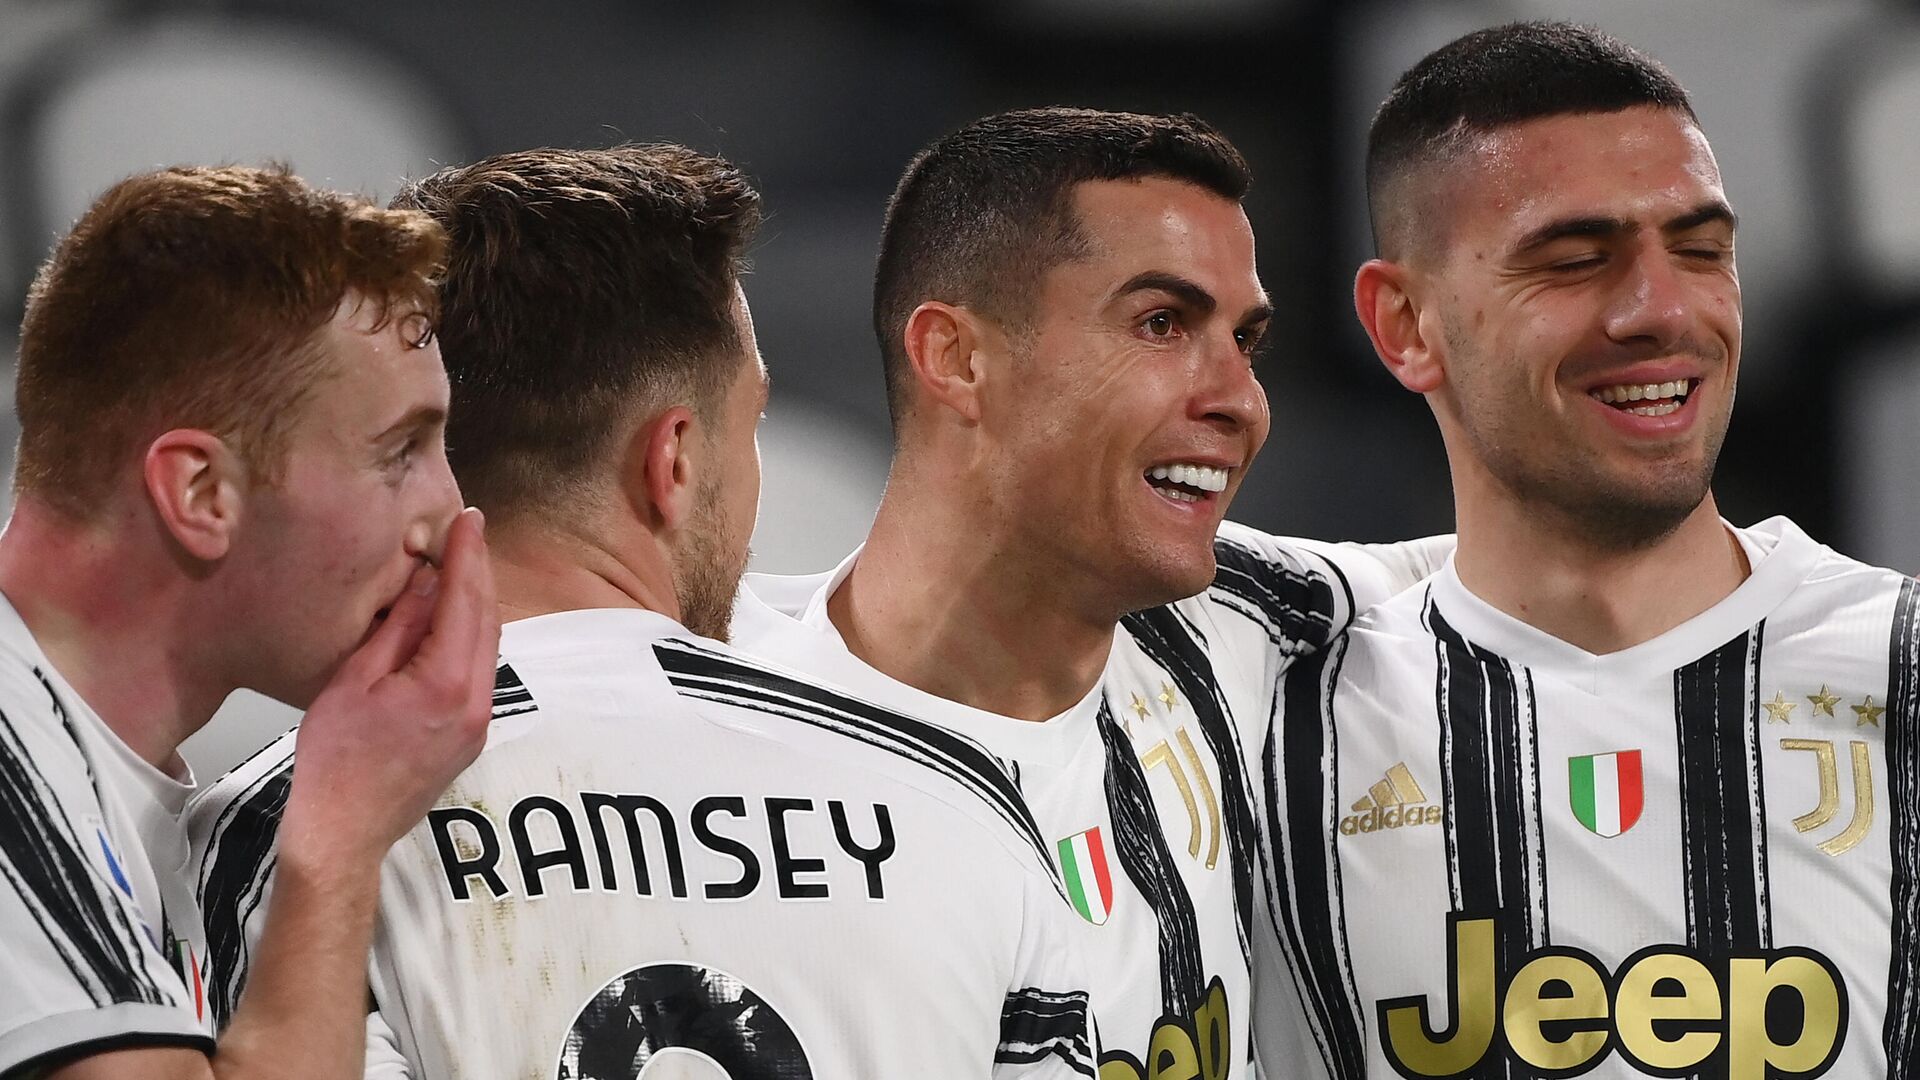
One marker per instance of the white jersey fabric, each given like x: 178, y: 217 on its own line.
x: 1497, y: 855
x: 1144, y: 790
x: 669, y: 851
x: 100, y: 942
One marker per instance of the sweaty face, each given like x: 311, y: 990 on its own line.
x: 1591, y: 318
x: 1132, y: 410
x: 713, y: 553
x: 364, y: 497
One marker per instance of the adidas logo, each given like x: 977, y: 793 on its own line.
x: 1392, y: 802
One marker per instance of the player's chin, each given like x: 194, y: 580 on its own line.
x: 1175, y: 571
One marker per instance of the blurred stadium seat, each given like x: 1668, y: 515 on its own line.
x: 130, y: 95
x: 1869, y: 151
x: 821, y: 482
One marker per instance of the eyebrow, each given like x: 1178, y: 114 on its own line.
x: 1188, y: 293
x: 1598, y: 227
x: 420, y: 416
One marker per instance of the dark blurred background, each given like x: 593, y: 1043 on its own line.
x: 1813, y: 110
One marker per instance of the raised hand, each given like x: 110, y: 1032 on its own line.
x: 403, y: 716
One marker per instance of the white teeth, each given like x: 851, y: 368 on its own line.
x: 1662, y: 409
x: 1625, y: 392
x: 1204, y: 477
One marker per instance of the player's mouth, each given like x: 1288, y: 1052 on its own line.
x: 1188, y: 481
x: 1646, y: 399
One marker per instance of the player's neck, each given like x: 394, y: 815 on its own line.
x: 117, y: 627
x: 934, y: 603
x: 540, y: 571
x: 1543, y: 571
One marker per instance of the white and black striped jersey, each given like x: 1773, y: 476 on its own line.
x: 670, y: 851
x: 1498, y: 855
x: 1144, y: 790
x: 100, y: 942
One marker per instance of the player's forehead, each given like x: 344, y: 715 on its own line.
x: 1161, y: 224
x: 1641, y: 166
x: 375, y: 365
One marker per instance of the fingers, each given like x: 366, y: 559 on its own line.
x: 396, y: 639
x: 463, y: 640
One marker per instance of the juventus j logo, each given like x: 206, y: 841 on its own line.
x: 1162, y: 754
x: 1856, y: 830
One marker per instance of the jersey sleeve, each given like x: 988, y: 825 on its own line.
x: 1275, y: 598
x: 1046, y: 1025
x: 234, y: 826
x: 80, y: 968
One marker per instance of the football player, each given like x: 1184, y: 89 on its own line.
x: 231, y: 474
x: 1625, y: 790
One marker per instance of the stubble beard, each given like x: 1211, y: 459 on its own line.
x: 1570, y: 482
x: 709, y: 567
x: 1599, y: 506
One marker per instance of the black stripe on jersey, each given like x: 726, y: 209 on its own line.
x: 232, y: 884
x: 1038, y: 1024
x: 1723, y: 837
x: 1140, y: 846
x: 43, y: 859
x: 1495, y: 859
x: 1308, y: 908
x: 1902, y: 1031
x: 1296, y: 608
x: 122, y: 917
x: 702, y: 673
x: 510, y: 696
x: 1163, y: 636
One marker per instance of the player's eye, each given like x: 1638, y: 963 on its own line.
x: 1160, y: 324
x: 400, y: 460
x: 1249, y: 339
x: 417, y: 330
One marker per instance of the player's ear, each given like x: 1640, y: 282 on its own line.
x: 1406, y: 341
x: 197, y: 486
x: 943, y: 346
x: 659, y: 476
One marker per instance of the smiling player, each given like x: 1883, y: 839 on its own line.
x: 1068, y: 308
x: 1624, y: 790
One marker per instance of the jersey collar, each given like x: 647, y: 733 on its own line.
x: 1781, y: 556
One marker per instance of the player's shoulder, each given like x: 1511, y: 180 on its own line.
x: 1827, y: 601
x: 1826, y: 571
x: 44, y: 726
x: 840, y: 731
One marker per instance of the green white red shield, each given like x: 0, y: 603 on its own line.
x: 1089, y: 877
x: 1606, y: 791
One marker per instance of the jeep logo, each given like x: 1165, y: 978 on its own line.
x: 1668, y: 1010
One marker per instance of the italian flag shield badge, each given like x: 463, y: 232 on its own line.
x: 1605, y: 790
x: 1083, y: 862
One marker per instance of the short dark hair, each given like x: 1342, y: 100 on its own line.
x: 1491, y: 79
x: 192, y: 297
x: 981, y: 214
x: 582, y: 286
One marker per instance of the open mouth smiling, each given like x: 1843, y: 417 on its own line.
x: 1646, y: 399
x: 1188, y: 482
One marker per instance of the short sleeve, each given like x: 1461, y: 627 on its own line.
x: 85, y: 968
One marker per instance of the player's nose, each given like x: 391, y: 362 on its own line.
x: 1653, y: 303
x: 426, y: 535
x: 1228, y: 393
